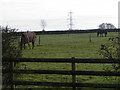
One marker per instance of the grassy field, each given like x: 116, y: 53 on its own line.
x: 67, y: 46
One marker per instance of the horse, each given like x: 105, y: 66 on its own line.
x: 26, y: 38
x: 101, y: 32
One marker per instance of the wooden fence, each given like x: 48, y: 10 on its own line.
x: 72, y: 72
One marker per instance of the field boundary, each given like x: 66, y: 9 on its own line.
x: 72, y: 72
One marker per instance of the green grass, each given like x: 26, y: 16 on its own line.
x: 66, y: 46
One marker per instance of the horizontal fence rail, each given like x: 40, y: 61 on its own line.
x: 64, y: 60
x: 68, y: 84
x: 63, y: 72
x: 72, y: 72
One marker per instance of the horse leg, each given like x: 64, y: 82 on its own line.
x: 32, y: 45
x: 98, y: 34
x: 24, y: 45
x: 105, y: 34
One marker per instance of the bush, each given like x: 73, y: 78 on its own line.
x: 10, y: 49
x: 111, y: 51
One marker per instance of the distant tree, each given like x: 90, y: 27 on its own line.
x: 43, y: 24
x: 106, y: 26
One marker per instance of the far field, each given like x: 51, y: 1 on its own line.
x: 67, y: 46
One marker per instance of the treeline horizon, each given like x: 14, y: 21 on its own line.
x: 71, y: 31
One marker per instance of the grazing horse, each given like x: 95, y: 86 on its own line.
x: 101, y: 32
x: 27, y: 37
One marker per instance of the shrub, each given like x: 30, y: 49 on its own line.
x: 10, y: 49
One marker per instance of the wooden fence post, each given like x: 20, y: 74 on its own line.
x: 39, y: 40
x: 90, y: 39
x: 73, y: 75
x: 11, y: 74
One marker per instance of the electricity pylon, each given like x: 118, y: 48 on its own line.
x: 70, y: 21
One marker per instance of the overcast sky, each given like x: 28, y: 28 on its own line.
x: 87, y: 14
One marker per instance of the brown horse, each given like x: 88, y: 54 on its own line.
x: 27, y: 37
